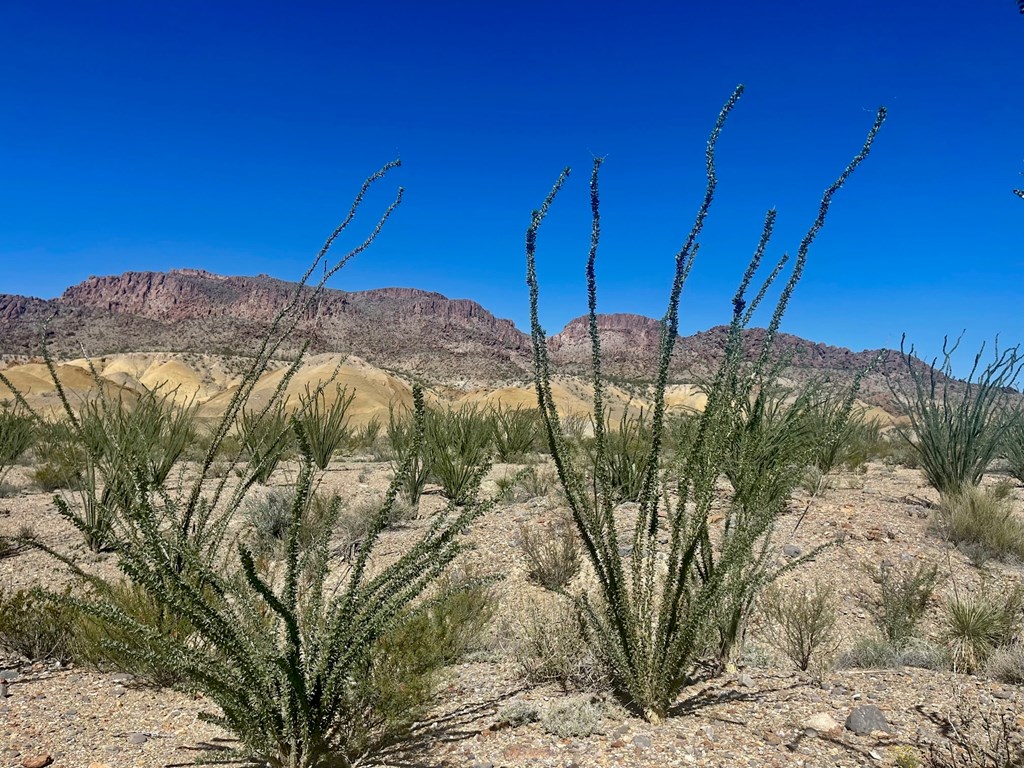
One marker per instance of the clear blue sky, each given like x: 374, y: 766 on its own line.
x: 231, y: 136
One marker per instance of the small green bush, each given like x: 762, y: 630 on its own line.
x: 984, y: 523
x: 35, y: 626
x: 407, y: 449
x: 106, y: 645
x: 802, y: 622
x: 397, y: 680
x: 17, y: 434
x: 325, y: 426
x: 270, y: 518
x: 904, y: 593
x: 266, y: 437
x: 457, y: 444
x: 623, y: 460
x: 60, y: 462
x: 514, y: 432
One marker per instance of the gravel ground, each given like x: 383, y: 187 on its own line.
x: 761, y: 714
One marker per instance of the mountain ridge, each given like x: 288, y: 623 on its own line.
x: 422, y: 333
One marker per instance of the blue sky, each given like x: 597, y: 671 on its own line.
x: 231, y: 136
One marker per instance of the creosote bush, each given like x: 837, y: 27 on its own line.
x: 904, y: 593
x: 802, y: 623
x: 650, y: 614
x: 35, y: 626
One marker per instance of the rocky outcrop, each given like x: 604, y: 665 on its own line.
x: 420, y: 332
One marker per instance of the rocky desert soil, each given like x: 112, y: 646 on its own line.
x: 763, y: 713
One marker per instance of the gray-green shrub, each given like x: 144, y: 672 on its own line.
x: 802, y: 622
x: 904, y: 593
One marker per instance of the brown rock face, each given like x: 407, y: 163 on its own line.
x: 445, y: 340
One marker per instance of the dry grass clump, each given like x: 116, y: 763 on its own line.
x: 984, y: 522
x: 552, y: 553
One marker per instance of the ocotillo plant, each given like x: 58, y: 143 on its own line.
x: 652, y: 611
x: 280, y: 647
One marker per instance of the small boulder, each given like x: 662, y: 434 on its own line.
x: 36, y: 761
x: 866, y: 719
x: 822, y: 722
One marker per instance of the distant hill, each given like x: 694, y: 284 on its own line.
x: 449, y: 342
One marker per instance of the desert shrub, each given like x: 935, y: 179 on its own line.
x: 576, y: 427
x: 904, y: 592
x: 365, y: 438
x: 1006, y: 664
x: 577, y: 717
x: 648, y: 617
x: 982, y: 523
x: 266, y: 437
x: 897, y: 448
x: 840, y: 435
x: 323, y: 424
x: 514, y: 432
x: 976, y: 625
x: 35, y: 626
x: 552, y: 553
x: 457, y: 443
x: 1012, y: 448
x: 17, y: 433
x: 878, y: 653
x: 270, y: 518
x: 550, y: 647
x: 396, y: 681
x: 60, y: 462
x: 957, y: 428
x: 516, y: 713
x: 802, y: 622
x: 107, y: 645
x: 975, y: 734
